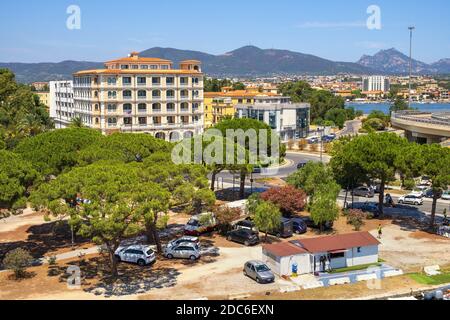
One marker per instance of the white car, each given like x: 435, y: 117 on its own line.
x: 139, y: 254
x: 446, y: 195
x: 411, y: 199
x: 189, y: 239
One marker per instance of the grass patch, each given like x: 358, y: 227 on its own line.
x: 356, y: 268
x: 430, y: 280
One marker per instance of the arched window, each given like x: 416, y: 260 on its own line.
x: 184, y: 94
x: 171, y: 107
x: 142, y: 94
x: 156, y: 107
x: 184, y: 107
x: 170, y: 94
x: 127, y: 94
x: 127, y: 108
x: 156, y: 94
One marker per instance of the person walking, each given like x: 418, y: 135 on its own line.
x: 380, y: 231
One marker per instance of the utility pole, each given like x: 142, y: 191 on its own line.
x: 411, y: 29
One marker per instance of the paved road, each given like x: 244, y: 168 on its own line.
x: 351, y: 128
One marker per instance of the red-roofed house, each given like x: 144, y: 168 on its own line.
x: 322, y: 253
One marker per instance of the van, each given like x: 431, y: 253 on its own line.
x: 286, y: 229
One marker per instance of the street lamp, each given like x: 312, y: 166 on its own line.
x: 411, y: 29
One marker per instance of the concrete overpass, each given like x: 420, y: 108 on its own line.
x: 423, y: 127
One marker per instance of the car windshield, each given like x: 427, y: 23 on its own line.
x: 262, y: 268
x: 149, y: 252
x: 193, y: 222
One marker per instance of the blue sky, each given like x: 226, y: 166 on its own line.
x: 35, y: 31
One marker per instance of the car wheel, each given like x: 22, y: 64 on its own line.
x: 400, y: 202
x: 229, y: 238
x: 257, y: 280
x: 367, y: 195
x: 170, y: 256
x: 278, y: 235
x: 246, y: 243
x: 141, y: 263
x: 193, y: 258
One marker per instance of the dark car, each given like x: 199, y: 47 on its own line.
x: 328, y: 138
x: 244, y: 236
x: 299, y: 226
x: 245, y: 224
x: 311, y: 224
x: 429, y: 194
x: 302, y: 164
x: 285, y: 230
x: 364, y: 192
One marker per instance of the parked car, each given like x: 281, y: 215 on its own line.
x: 425, y: 181
x: 368, y: 207
x: 285, y: 230
x: 246, y: 225
x: 311, y: 224
x: 182, y: 239
x: 420, y: 190
x: 139, y: 254
x: 446, y: 195
x: 328, y: 138
x: 411, y: 199
x: 299, y: 226
x: 429, y: 194
x: 259, y: 272
x: 195, y: 228
x: 363, y: 192
x: 257, y: 169
x: 244, y: 236
x: 313, y: 140
x: 184, y: 250
x: 302, y: 164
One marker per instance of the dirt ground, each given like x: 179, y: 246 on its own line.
x: 218, y: 275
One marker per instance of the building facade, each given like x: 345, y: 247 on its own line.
x: 144, y: 95
x: 290, y: 120
x: 44, y: 98
x: 376, y: 83
x: 61, y: 103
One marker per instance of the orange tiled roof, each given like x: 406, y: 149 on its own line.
x: 133, y: 71
x: 137, y: 59
x: 239, y: 94
x: 190, y: 61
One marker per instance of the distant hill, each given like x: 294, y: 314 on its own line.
x: 47, y: 71
x: 392, y: 61
x: 253, y: 61
x: 248, y: 61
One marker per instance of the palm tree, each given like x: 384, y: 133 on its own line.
x: 76, y: 123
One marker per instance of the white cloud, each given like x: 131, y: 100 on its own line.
x: 332, y: 25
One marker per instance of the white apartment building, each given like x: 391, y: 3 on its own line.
x: 376, y: 83
x: 143, y: 95
x: 61, y: 103
x: 289, y: 120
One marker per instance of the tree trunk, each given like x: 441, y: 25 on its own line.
x: 112, y: 259
x: 242, y: 185
x: 265, y: 239
x: 213, y: 181
x: 345, y: 200
x: 433, y: 210
x: 152, y: 234
x: 381, y: 199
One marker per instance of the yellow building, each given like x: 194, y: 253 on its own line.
x: 44, y: 97
x: 220, y: 105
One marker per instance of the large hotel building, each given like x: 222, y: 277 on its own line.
x: 136, y: 94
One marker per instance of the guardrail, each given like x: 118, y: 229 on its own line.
x: 410, y: 117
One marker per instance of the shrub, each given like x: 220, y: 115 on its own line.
x: 225, y: 216
x: 290, y: 144
x: 17, y: 260
x: 355, y: 217
x: 409, y: 184
x: 289, y: 199
x: 314, y: 147
x: 302, y: 143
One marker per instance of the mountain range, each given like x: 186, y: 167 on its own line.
x: 248, y: 61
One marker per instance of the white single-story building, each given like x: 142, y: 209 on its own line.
x: 321, y: 254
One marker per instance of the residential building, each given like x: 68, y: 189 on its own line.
x: 289, y: 120
x: 147, y: 95
x: 40, y: 86
x: 219, y: 105
x: 61, y: 103
x: 44, y: 97
x: 321, y: 254
x: 376, y: 83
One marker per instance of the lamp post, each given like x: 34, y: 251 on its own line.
x: 411, y: 29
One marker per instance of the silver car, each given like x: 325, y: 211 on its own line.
x: 259, y: 272
x: 190, y: 239
x: 142, y: 255
x: 184, y: 250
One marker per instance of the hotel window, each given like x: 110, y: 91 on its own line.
x: 170, y: 94
x: 144, y: 66
x: 141, y: 80
x: 165, y: 67
x: 240, y: 101
x: 156, y: 81
x: 156, y: 107
x: 127, y: 94
x: 195, y: 107
x: 184, y: 107
x: 124, y: 66
x: 184, y: 81
x: 195, y: 119
x: 126, y: 81
x: 273, y: 119
x: 195, y: 93
x: 112, y: 108
x: 170, y: 107
x: 156, y: 94
x: 142, y: 94
x: 170, y: 120
x: 249, y: 100
x: 112, y: 94
x: 153, y: 67
x: 112, y: 122
x: 128, y: 121
x: 127, y: 108
x: 142, y: 107
x: 156, y: 120
x: 170, y: 81
x: 194, y: 80
x: 184, y: 94
x: 112, y: 81
x: 97, y: 121
x: 135, y: 66
x: 184, y: 120
x: 142, y: 121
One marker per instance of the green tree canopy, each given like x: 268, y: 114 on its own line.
x: 267, y: 217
